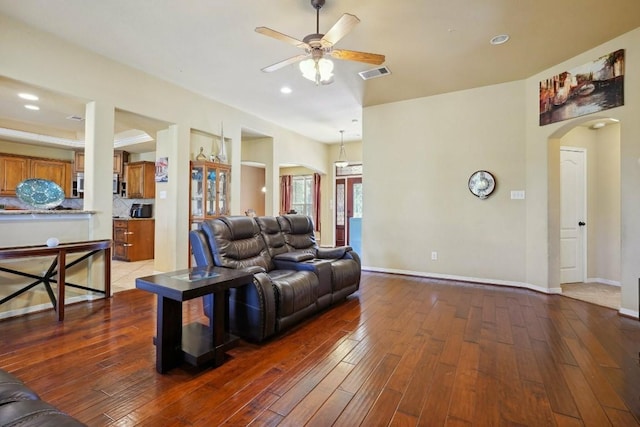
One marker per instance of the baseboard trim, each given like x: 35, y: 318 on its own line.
x: 629, y: 313
x: 47, y: 306
x: 465, y: 279
x: 603, y: 281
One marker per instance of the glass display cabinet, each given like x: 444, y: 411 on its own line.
x: 209, y: 191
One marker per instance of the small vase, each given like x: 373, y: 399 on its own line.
x: 222, y: 155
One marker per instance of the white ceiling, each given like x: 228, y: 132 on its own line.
x: 431, y: 47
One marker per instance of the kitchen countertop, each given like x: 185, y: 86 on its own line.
x: 44, y: 212
x: 126, y: 218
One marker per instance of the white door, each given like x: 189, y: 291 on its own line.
x: 573, y: 214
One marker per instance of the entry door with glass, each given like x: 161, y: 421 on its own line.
x: 348, y: 210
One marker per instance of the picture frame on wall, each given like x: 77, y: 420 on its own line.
x: 162, y: 169
x: 592, y: 87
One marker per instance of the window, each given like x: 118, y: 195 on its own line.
x: 302, y: 197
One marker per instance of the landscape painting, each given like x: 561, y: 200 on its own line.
x: 593, y: 87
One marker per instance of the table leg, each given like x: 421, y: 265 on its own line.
x: 60, y: 277
x: 219, y: 325
x: 169, y: 334
x: 107, y: 272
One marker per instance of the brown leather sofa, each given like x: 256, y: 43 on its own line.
x: 21, y: 406
x: 293, y: 277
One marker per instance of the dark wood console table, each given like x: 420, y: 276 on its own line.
x: 57, y: 270
x: 194, y: 343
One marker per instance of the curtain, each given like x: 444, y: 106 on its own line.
x: 285, y: 193
x: 316, y: 200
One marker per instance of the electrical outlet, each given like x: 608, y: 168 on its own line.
x: 434, y: 256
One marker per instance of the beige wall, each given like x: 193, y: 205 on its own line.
x: 23, y: 149
x: 418, y: 155
x: 542, y: 213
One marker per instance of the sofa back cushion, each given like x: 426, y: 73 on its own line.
x: 236, y: 242
x: 298, y: 233
x: 272, y: 235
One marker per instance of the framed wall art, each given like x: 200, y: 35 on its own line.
x: 592, y: 87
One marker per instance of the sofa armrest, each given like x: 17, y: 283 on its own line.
x: 254, y: 269
x: 334, y: 253
x: 253, y: 309
x: 294, y: 256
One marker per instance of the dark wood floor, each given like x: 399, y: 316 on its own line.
x: 402, y: 351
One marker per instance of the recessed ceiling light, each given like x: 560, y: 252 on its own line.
x: 597, y: 125
x: 28, y: 96
x: 32, y: 107
x: 286, y: 90
x: 499, y: 39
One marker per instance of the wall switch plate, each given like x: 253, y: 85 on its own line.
x: 434, y: 256
x: 517, y: 194
x: 163, y: 194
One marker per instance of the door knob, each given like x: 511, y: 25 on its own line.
x: 582, y: 223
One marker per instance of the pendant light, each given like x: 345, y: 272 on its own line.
x: 342, y: 161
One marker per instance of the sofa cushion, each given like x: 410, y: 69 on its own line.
x: 296, y: 290
x: 344, y: 273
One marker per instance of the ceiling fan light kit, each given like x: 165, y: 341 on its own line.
x: 314, y: 65
x: 320, y: 71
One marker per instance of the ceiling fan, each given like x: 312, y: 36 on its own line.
x: 315, y: 67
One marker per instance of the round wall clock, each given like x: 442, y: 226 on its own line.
x: 482, y: 184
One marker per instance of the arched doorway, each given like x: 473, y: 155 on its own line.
x: 599, y: 139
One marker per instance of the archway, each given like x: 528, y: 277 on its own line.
x: 600, y: 138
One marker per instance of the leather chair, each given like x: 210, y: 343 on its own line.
x: 299, y: 236
x: 21, y: 406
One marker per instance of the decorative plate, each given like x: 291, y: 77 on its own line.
x: 40, y: 193
x: 482, y: 184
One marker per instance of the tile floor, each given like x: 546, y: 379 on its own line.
x: 124, y: 274
x: 595, y: 293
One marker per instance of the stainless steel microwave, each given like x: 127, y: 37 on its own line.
x: 80, y: 183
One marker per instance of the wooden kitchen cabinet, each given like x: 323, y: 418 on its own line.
x: 140, y: 179
x: 133, y: 239
x: 78, y: 161
x: 13, y: 170
x: 119, y: 158
x: 58, y: 171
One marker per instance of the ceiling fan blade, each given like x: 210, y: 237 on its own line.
x: 339, y: 29
x: 284, y: 63
x: 282, y: 37
x: 352, y: 55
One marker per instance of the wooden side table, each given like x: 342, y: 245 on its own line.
x: 194, y: 343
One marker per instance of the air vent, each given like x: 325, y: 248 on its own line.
x: 376, y: 72
x: 76, y: 118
